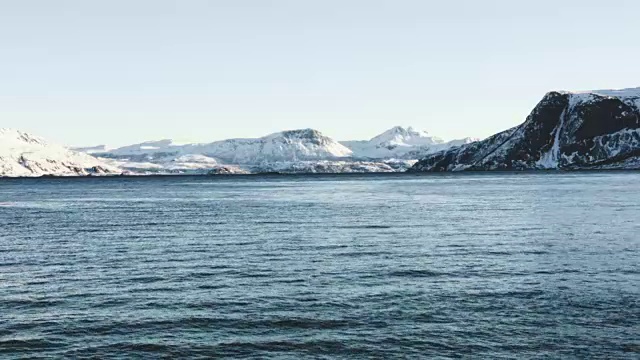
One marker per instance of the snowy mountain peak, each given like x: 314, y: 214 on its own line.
x: 310, y: 135
x: 302, y: 134
x: 399, y: 130
x: 404, y: 130
x: 23, y: 154
x: 399, y: 135
x: 290, y: 146
x: 13, y: 137
x: 399, y: 143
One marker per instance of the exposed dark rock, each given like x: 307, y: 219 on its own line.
x: 564, y: 131
x: 227, y: 170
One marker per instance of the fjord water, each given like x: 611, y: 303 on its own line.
x: 485, y: 266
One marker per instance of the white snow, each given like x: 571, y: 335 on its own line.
x: 619, y: 93
x: 23, y: 154
x: 190, y: 162
x: 147, y: 147
x: 401, y: 142
x: 329, y: 166
x: 630, y: 96
x: 294, y: 149
x: 549, y: 160
x: 294, y: 145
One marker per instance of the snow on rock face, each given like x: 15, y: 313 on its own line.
x: 591, y: 130
x: 630, y: 96
x: 400, y: 142
x: 23, y: 154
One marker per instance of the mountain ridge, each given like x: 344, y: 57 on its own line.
x: 294, y: 149
x: 566, y: 130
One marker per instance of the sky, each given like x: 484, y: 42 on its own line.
x: 117, y: 72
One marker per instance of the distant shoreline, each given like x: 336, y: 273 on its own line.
x: 320, y: 175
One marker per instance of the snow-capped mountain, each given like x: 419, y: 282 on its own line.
x: 400, y: 143
x: 566, y: 130
x: 293, y: 145
x: 287, y: 151
x: 23, y: 154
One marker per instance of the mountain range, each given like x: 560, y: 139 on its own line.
x: 304, y: 150
x: 565, y: 131
x: 292, y: 151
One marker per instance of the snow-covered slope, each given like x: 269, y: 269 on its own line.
x: 566, y: 130
x: 400, y: 143
x: 23, y: 154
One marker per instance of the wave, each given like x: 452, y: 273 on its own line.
x: 417, y: 273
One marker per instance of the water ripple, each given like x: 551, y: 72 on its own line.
x: 456, y: 266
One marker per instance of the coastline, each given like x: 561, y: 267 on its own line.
x: 343, y: 174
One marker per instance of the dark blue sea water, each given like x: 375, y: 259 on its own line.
x: 465, y: 266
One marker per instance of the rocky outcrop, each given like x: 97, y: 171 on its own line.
x: 594, y: 130
x: 227, y: 170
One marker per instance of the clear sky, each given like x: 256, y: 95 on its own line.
x: 122, y: 71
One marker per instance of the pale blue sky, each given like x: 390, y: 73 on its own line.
x: 122, y: 71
